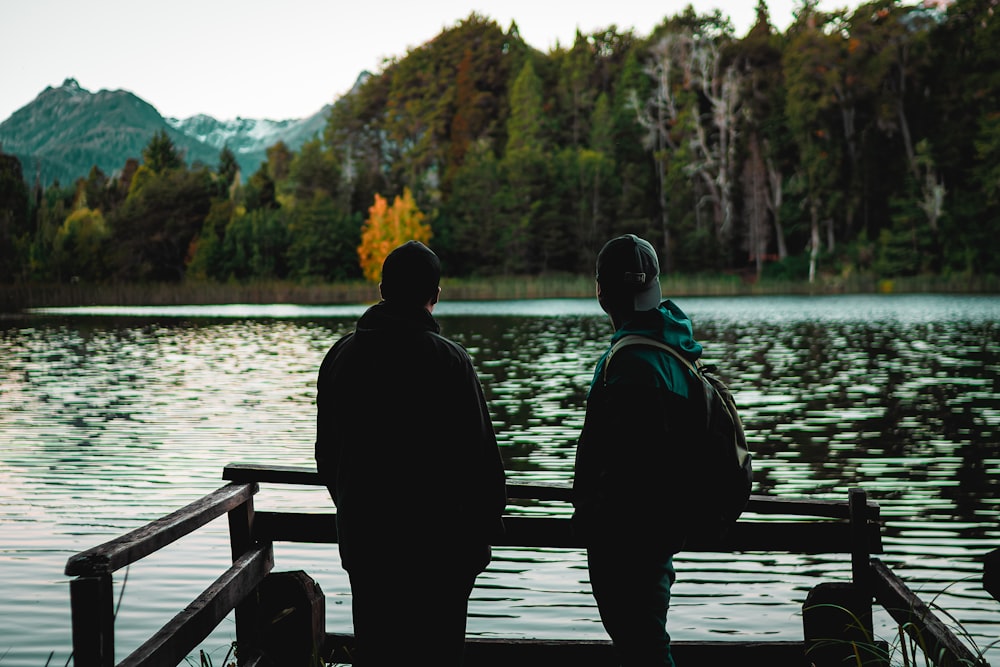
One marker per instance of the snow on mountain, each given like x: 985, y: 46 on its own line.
x: 242, y: 135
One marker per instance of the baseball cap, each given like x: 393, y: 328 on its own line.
x: 629, y: 273
x: 410, y: 273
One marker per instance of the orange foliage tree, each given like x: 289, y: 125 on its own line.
x: 388, y: 227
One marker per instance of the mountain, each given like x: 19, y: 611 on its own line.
x: 67, y: 130
x: 249, y: 138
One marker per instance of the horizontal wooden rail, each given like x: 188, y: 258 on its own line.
x: 139, y: 543
x: 489, y: 652
x: 935, y: 639
x: 806, y: 537
x: 178, y: 638
x: 809, y: 507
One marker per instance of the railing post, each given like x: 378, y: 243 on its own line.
x: 247, y: 611
x: 293, y: 611
x: 860, y: 549
x: 93, y: 614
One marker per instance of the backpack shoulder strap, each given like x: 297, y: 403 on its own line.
x: 636, y: 339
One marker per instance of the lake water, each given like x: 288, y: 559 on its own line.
x: 112, y: 417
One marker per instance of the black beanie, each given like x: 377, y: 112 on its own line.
x: 411, y: 274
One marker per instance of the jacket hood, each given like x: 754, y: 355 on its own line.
x: 667, y: 324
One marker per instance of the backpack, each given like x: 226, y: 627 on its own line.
x: 722, y: 473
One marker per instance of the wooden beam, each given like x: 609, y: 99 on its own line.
x: 249, y: 472
x: 778, y: 536
x: 492, y: 652
x: 831, y: 509
x: 180, y: 636
x: 936, y: 640
x: 127, y: 549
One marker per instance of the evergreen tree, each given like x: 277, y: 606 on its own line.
x: 228, y: 169
x: 524, y: 126
x: 525, y: 174
x: 14, y: 224
x: 467, y: 233
x: 323, y: 241
x: 160, y: 154
x: 152, y: 232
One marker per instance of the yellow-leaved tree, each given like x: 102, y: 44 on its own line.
x: 388, y: 227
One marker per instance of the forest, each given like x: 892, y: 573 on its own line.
x: 862, y: 142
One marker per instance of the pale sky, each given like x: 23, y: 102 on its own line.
x: 278, y: 59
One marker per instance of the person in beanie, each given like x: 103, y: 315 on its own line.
x: 629, y: 478
x: 406, y: 447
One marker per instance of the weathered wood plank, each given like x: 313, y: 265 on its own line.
x: 490, y: 652
x: 155, y: 535
x: 806, y: 537
x: 938, y: 642
x: 241, y: 540
x: 801, y: 537
x: 295, y: 527
x: 860, y: 547
x: 250, y: 472
x: 180, y: 636
x: 92, y: 610
x: 831, y: 509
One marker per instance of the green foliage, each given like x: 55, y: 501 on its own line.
x: 524, y: 128
x: 255, y: 245
x: 313, y: 171
x: 139, y: 179
x: 152, y: 231
x: 228, y: 169
x: 526, y: 175
x: 49, y: 214
x: 13, y: 217
x: 260, y: 191
x: 821, y: 151
x: 323, y: 242
x: 78, y: 247
x: 467, y: 236
x: 161, y: 154
x: 208, y: 260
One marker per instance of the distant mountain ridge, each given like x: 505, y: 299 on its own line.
x: 67, y: 130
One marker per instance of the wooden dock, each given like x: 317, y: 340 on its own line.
x: 851, y: 527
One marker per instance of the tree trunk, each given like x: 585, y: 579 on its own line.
x: 813, y: 239
x: 775, y: 200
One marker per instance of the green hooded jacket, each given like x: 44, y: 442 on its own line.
x: 629, y: 482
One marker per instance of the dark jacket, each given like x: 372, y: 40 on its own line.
x: 406, y: 445
x: 629, y: 480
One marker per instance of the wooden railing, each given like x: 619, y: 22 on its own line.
x: 849, y: 527
x: 92, y: 602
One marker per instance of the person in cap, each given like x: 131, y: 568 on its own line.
x: 629, y: 477
x: 405, y: 445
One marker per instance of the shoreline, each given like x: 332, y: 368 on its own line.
x: 19, y: 297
